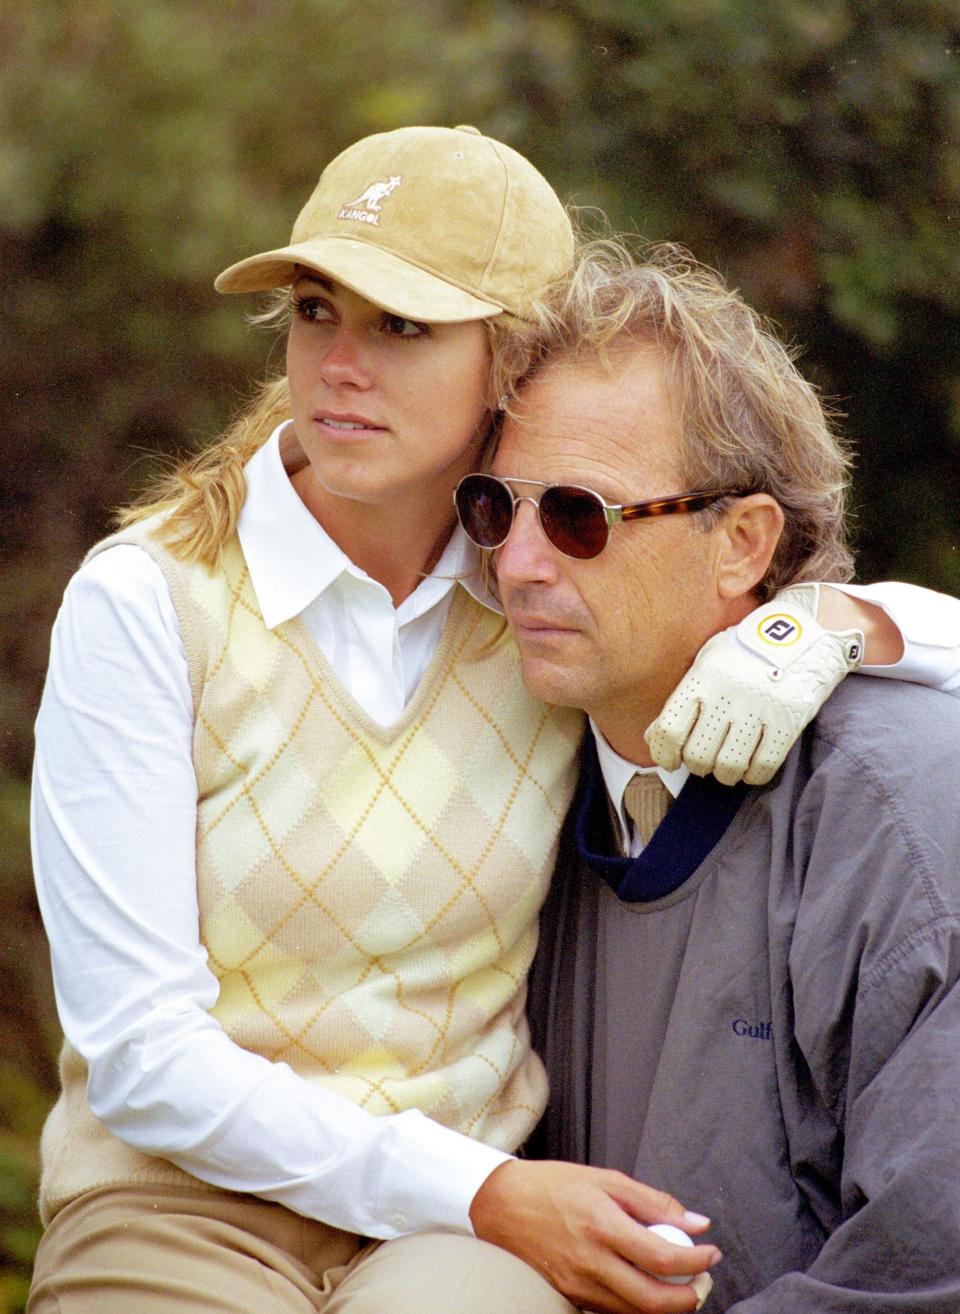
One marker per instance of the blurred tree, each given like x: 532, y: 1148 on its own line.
x: 807, y: 148
x: 811, y: 151
x: 144, y: 148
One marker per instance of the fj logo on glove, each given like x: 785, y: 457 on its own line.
x: 780, y: 629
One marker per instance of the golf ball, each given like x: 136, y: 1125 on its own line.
x: 676, y: 1237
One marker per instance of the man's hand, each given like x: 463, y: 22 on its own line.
x: 752, y: 689
x: 582, y: 1229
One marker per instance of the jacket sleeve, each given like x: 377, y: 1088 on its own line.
x: 874, y: 972
x: 898, y: 1245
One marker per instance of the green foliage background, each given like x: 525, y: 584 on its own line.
x: 808, y: 148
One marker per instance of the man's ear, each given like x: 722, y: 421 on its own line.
x: 748, y: 536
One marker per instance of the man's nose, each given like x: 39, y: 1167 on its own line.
x: 345, y: 361
x: 526, y: 557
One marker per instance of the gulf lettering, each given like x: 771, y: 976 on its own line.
x: 755, y: 1030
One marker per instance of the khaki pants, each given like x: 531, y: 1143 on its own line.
x: 156, y: 1250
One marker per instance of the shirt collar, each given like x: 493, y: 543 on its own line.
x: 617, y: 773
x: 456, y: 560
x: 473, y: 577
x: 292, y: 559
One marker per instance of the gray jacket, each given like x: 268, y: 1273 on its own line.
x: 777, y: 1040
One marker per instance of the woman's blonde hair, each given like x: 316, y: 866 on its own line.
x: 200, y: 499
x: 749, y: 420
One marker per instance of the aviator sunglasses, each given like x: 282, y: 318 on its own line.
x: 576, y: 521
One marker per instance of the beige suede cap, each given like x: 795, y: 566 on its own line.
x: 435, y: 224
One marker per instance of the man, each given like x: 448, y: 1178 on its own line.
x: 752, y: 1004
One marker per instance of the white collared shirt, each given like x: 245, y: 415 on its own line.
x: 379, y: 652
x: 617, y: 773
x: 114, y: 822
x: 114, y: 817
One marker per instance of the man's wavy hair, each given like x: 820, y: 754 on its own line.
x: 749, y: 420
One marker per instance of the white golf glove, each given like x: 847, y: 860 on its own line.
x: 752, y: 689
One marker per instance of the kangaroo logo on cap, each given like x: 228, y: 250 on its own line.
x: 366, y: 208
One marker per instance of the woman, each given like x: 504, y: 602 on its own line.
x: 295, y: 814
x: 366, y: 762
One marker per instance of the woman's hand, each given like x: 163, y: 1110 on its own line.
x: 582, y: 1228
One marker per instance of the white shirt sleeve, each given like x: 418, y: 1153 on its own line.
x: 929, y: 624
x: 114, y: 820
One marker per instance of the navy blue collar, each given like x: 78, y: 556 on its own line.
x: 695, y: 822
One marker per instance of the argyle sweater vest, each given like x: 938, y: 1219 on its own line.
x: 368, y: 896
